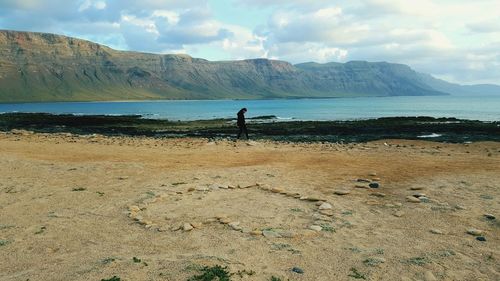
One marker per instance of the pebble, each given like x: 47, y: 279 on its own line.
x: 225, y: 220
x: 326, y: 212
x: 424, y: 199
x: 163, y: 228
x: 376, y: 179
x: 277, y: 190
x: 489, y: 216
x: 481, y: 238
x: 316, y: 227
x: 374, y: 185
x: 187, y: 227
x: 361, y: 186
x: 475, y: 232
x: 428, y: 276
x: 191, y: 189
x: 134, y: 208
x: 412, y: 199
x: 342, y: 192
x: 271, y: 234
x: 256, y: 232
x: 363, y: 180
x: 325, y: 206
x: 202, y: 188
x: 416, y: 188
x: 196, y: 224
x: 235, y: 225
x: 399, y: 214
x: 377, y: 194
x: 298, y: 270
x: 372, y: 174
x: 436, y: 231
x: 418, y: 195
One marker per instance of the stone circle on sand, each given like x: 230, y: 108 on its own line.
x: 254, y: 210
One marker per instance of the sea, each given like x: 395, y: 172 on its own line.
x: 484, y: 108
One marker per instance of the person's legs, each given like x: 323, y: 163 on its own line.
x: 246, y: 130
x: 241, y: 131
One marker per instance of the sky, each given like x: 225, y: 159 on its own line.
x: 455, y: 40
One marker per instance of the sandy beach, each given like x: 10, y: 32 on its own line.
x: 93, y: 207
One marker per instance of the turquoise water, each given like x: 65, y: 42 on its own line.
x: 485, y: 108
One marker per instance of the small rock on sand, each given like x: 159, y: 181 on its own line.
x: 325, y: 206
x: 416, y: 188
x: 361, y: 186
x: 187, y: 227
x: 134, y: 208
x: 196, y: 224
x: 436, y: 231
x: 277, y: 190
x: 399, y: 214
x: 202, y: 188
x: 481, y: 238
x: 341, y: 192
x: 474, y: 231
x: 326, y: 212
x: 256, y: 232
x: 271, y: 234
x: 225, y: 220
x: 412, y: 199
x: 374, y: 185
x: 377, y: 194
x: 489, y: 216
x: 428, y: 276
x: 363, y: 180
x: 372, y: 174
x: 316, y: 227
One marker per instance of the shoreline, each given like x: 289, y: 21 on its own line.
x: 262, y: 127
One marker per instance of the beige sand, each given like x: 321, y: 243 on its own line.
x: 80, y: 208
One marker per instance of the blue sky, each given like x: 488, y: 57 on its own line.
x: 456, y: 40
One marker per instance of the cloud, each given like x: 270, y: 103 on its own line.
x: 456, y: 39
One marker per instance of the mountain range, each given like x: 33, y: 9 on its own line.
x: 40, y: 67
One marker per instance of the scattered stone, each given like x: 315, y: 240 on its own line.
x: 363, y: 180
x: 298, y: 270
x: 163, y: 228
x: 191, y: 189
x: 197, y: 224
x: 326, y: 212
x: 287, y: 234
x: 202, y: 188
x: 374, y: 185
x: 460, y: 207
x: 424, y: 199
x: 235, y: 225
x: 271, y: 234
x: 138, y: 218
x: 376, y: 179
x: 416, y: 188
x: 436, y: 231
x: 428, y: 276
x: 361, y: 186
x: 134, y: 208
x: 481, y: 238
x: 341, y: 192
x: 489, y: 216
x: 399, y: 214
x: 175, y: 228
x: 224, y: 220
x: 187, y: 227
x: 231, y: 186
x: 276, y: 190
x: 412, y: 199
x: 316, y: 227
x: 377, y: 194
x: 475, y: 232
x: 256, y: 232
x: 372, y: 174
x: 325, y: 206
x: 220, y: 216
x: 418, y: 195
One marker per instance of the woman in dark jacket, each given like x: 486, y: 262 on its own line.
x: 241, y: 122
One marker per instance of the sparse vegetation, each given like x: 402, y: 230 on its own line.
x: 328, y: 228
x: 417, y: 261
x: 356, y: 274
x: 4, y: 242
x: 214, y: 273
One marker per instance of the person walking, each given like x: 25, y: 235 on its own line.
x: 241, y: 122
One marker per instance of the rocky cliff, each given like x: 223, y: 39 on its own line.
x: 48, y: 67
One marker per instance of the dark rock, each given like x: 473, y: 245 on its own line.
x: 481, y: 238
x: 489, y: 216
x: 374, y: 185
x: 298, y: 270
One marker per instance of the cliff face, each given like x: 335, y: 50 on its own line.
x: 48, y: 67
